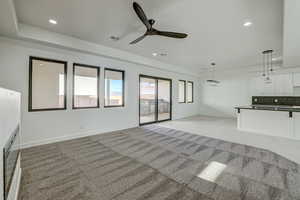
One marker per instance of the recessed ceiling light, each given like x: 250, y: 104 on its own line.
x: 52, y: 21
x: 247, y: 24
x: 154, y: 54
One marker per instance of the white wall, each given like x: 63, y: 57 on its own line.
x: 220, y: 100
x: 41, y: 127
x: 231, y: 92
x: 235, y: 91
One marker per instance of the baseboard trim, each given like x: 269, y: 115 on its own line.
x: 68, y: 137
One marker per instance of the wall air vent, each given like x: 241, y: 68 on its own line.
x: 213, y: 81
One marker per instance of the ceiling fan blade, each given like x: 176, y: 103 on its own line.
x: 141, y: 14
x: 171, y: 34
x: 138, y: 39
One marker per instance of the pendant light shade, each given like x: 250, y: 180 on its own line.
x: 213, y: 81
x: 268, y: 65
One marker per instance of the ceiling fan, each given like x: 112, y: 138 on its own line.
x: 150, y: 30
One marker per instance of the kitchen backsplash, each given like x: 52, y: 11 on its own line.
x: 276, y: 100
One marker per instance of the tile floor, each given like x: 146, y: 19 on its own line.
x: 226, y: 129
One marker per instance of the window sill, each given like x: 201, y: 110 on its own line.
x: 82, y: 108
x: 120, y: 106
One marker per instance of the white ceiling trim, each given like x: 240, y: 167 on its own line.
x: 8, y: 18
x: 27, y: 32
x: 62, y: 40
x: 10, y: 27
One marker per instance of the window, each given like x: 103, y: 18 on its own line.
x: 47, y: 84
x: 85, y: 86
x: 181, y: 91
x: 114, y: 88
x: 190, y: 92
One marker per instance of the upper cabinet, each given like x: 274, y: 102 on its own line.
x: 296, y: 79
x: 281, y: 85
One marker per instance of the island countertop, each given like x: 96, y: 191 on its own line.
x: 270, y: 108
x: 282, y: 121
x: 271, y: 115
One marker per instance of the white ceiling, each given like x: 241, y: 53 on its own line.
x: 215, y: 27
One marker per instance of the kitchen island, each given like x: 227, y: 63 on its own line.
x: 275, y: 120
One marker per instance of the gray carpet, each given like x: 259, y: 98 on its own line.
x: 155, y: 163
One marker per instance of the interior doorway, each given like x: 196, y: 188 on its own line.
x: 155, y: 99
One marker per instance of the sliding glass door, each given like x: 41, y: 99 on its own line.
x: 155, y: 99
x: 164, y: 99
x: 147, y: 100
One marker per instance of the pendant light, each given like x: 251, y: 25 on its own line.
x: 212, y: 81
x: 267, y: 65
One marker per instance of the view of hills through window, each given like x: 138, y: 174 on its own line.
x: 114, y: 88
x: 86, y: 86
